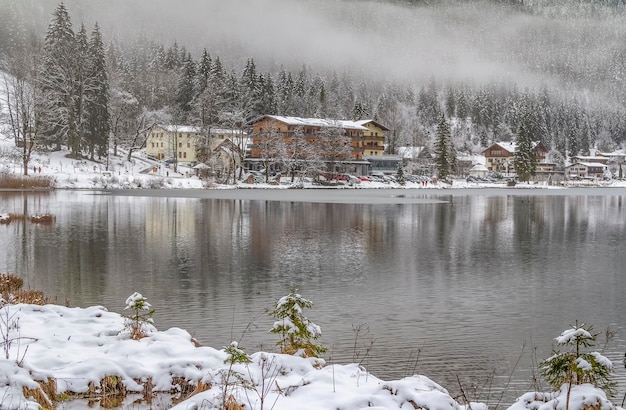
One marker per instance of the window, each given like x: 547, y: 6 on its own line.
x: 180, y: 155
x: 188, y: 145
x: 161, y: 144
x: 180, y: 145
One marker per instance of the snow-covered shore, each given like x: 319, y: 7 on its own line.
x: 139, y: 173
x: 65, y: 354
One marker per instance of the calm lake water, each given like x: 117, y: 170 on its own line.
x: 473, y: 284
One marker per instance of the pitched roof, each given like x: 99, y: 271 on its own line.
x: 588, y: 164
x: 316, y: 122
x: 379, y: 125
x: 179, y: 128
x: 510, y: 146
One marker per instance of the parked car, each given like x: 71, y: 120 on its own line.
x: 376, y: 178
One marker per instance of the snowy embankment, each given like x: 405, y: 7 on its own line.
x: 82, y: 356
x: 141, y: 173
x: 72, y: 351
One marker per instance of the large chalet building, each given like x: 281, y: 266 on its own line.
x: 499, y: 157
x: 365, y: 137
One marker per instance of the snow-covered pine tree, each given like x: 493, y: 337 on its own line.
x: 203, y: 73
x: 97, y: 101
x: 525, y: 159
x: 81, y: 92
x: 56, y: 109
x: 445, y: 154
x: 296, y: 331
x: 578, y: 365
x: 268, y: 104
x: 185, y: 92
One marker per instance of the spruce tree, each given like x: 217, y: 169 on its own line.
x: 81, y: 92
x: 186, y: 89
x: 525, y: 159
x: 297, y: 332
x: 445, y: 154
x: 56, y: 108
x: 97, y: 101
x: 578, y: 365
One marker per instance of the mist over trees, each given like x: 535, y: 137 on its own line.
x: 476, y: 66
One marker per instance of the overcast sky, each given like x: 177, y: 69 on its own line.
x: 474, y: 41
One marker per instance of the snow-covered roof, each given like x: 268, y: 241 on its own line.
x: 589, y: 164
x: 590, y: 158
x: 615, y: 154
x: 379, y: 125
x: 510, y: 146
x: 317, y: 122
x: 479, y: 167
x: 179, y: 128
x: 225, y: 131
x: 194, y: 129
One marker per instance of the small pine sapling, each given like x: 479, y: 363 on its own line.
x: 297, y: 332
x: 140, y: 320
x: 231, y: 379
x: 578, y: 366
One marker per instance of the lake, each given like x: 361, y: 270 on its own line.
x: 467, y: 286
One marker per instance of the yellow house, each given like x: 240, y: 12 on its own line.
x: 373, y: 138
x: 173, y: 142
x: 181, y: 142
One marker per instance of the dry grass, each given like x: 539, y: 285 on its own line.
x: 9, y: 181
x: 231, y: 404
x: 45, y: 394
x: 11, y: 290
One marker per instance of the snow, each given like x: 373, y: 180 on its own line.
x: 583, y: 365
x: 583, y: 396
x: 570, y: 335
x: 78, y: 347
x: 602, y: 360
x: 139, y: 173
x: 317, y: 122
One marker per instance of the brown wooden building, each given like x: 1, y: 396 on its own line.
x: 499, y: 156
x: 311, y: 129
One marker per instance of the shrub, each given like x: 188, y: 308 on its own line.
x: 232, y: 379
x: 297, y: 332
x: 140, y: 321
x: 578, y: 366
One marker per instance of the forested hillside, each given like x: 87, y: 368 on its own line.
x: 403, y: 63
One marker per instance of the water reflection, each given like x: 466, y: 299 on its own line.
x: 447, y: 289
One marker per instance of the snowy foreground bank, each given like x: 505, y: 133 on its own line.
x: 60, y: 353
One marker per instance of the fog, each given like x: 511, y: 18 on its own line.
x: 473, y: 41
